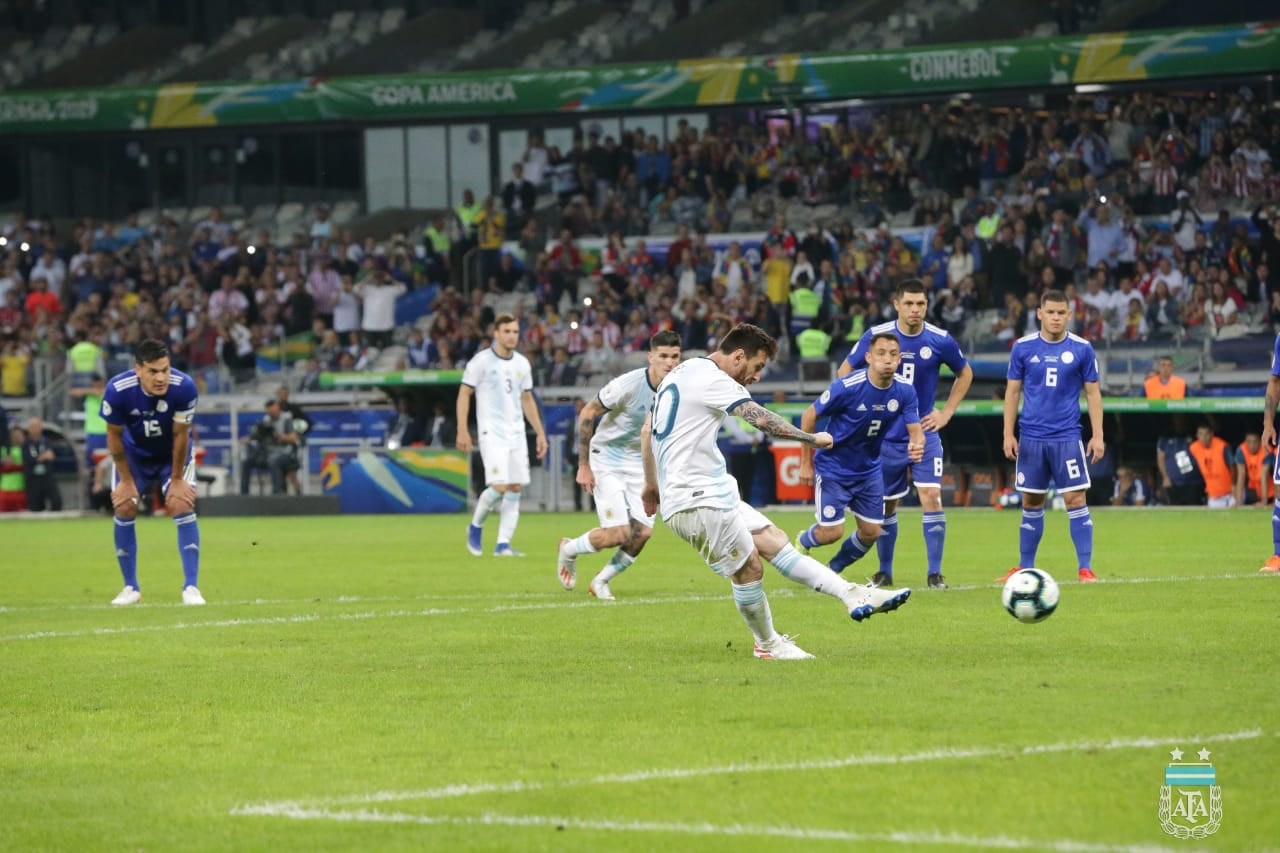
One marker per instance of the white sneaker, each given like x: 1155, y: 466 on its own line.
x: 781, y: 647
x: 566, y: 567
x: 127, y: 596
x: 864, y: 601
x: 600, y: 589
x: 191, y: 595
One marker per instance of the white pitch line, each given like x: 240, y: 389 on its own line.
x: 711, y: 829
x: 369, y: 614
x: 863, y: 760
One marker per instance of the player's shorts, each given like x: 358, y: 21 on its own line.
x: 1059, y: 462
x: 617, y: 498
x: 721, y: 536
x: 1222, y: 501
x: 862, y: 495
x: 95, y: 447
x: 506, y: 463
x: 147, y: 471
x: 895, y: 463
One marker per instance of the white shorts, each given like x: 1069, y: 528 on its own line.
x: 1224, y: 502
x: 505, y: 464
x: 721, y: 536
x: 617, y: 498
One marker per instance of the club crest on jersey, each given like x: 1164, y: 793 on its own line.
x: 926, y: 352
x: 892, y: 405
x: 162, y: 406
x: 826, y: 397
x: 1190, y: 799
x: 1068, y: 357
x: 106, y: 408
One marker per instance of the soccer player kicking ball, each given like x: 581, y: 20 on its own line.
x: 609, y: 468
x: 502, y: 382
x: 685, y: 473
x: 1047, y: 372
x: 862, y: 407
x: 925, y: 349
x: 148, y: 411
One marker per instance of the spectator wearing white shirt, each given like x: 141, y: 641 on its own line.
x: 321, y: 228
x: 346, y: 313
x: 51, y: 268
x: 1185, y: 221
x: 1172, y: 276
x: 378, y: 294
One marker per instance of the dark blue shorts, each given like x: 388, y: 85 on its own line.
x: 863, y: 495
x: 1060, y: 463
x: 147, y: 470
x: 895, y: 463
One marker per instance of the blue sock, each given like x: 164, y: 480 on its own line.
x: 887, y: 542
x: 851, y: 550
x: 807, y: 537
x: 188, y: 547
x: 127, y: 550
x: 1029, y: 536
x: 1082, y: 535
x: 935, y: 535
x: 1275, y: 528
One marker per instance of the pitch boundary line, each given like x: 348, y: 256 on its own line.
x: 709, y: 829
x: 857, y: 760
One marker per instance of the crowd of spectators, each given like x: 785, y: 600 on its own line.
x: 1136, y: 205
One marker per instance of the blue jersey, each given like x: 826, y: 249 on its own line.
x: 1053, y: 377
x: 923, y: 355
x: 860, y: 416
x: 1275, y: 357
x: 148, y: 421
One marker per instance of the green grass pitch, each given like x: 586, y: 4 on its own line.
x: 362, y: 683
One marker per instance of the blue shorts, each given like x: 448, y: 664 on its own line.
x: 147, y: 470
x: 863, y: 495
x: 895, y: 463
x: 1060, y: 463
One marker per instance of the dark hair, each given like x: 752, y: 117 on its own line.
x: 150, y: 350
x: 909, y: 285
x: 882, y: 336
x: 502, y: 320
x: 1054, y: 296
x: 750, y: 339
x: 666, y: 338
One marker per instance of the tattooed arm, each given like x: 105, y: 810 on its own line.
x: 585, y: 477
x: 776, y: 425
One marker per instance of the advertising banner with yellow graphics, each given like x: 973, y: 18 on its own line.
x: 1031, y: 63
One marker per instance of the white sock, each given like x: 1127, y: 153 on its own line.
x: 808, y: 571
x: 485, y: 504
x: 618, y: 563
x: 754, y: 607
x: 509, y: 515
x: 580, y: 545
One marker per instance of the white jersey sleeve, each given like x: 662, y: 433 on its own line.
x: 689, y: 407
x: 616, y: 443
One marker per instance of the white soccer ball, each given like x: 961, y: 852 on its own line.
x: 1030, y: 595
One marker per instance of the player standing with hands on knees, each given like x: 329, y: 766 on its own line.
x: 1047, y: 373
x: 925, y: 349
x: 863, y: 407
x: 149, y: 411
x: 685, y: 474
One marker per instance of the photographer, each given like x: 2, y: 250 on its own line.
x: 273, y: 447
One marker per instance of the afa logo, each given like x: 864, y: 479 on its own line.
x: 1190, y: 799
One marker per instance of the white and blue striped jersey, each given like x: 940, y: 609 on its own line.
x: 147, y: 420
x: 923, y: 355
x: 1053, y: 375
x: 616, y: 443
x: 688, y: 408
x: 499, y: 384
